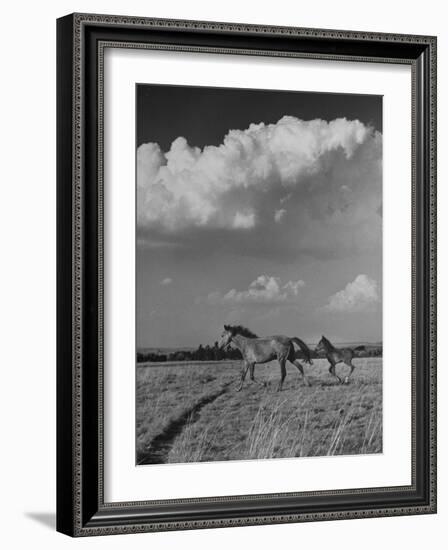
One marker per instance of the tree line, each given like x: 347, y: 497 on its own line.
x: 201, y: 353
x: 215, y: 353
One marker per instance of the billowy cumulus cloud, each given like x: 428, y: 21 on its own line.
x: 224, y: 186
x: 279, y: 214
x: 272, y: 190
x: 263, y: 290
x: 360, y: 295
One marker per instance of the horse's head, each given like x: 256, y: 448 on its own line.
x: 320, y: 348
x: 226, y: 337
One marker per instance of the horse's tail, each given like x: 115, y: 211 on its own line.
x: 305, y: 349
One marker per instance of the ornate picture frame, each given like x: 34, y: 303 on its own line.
x: 81, y: 43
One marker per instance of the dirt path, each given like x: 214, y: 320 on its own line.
x: 161, y: 445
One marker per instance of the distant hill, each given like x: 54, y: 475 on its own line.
x: 351, y: 344
x: 172, y: 349
x: 214, y: 353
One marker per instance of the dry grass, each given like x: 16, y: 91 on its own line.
x: 192, y: 413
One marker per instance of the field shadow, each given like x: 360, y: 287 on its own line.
x: 47, y: 519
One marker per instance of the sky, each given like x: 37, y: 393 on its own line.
x: 261, y: 208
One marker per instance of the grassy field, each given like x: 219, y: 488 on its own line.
x: 192, y: 413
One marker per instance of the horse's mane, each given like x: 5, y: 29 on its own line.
x: 239, y: 329
x: 327, y: 343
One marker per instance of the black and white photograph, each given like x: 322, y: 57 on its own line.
x: 258, y: 274
x: 246, y: 276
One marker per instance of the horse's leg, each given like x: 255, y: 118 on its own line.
x: 251, y: 371
x: 300, y: 368
x: 352, y: 368
x: 252, y: 375
x: 332, y: 371
x: 246, y: 366
x: 282, y: 362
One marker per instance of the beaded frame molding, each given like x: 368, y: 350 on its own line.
x: 81, y: 40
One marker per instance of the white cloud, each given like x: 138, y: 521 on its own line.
x: 243, y: 220
x: 279, y: 214
x: 359, y: 295
x: 222, y: 187
x: 264, y: 289
x: 294, y: 286
x: 167, y: 281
